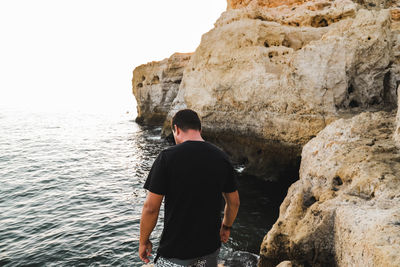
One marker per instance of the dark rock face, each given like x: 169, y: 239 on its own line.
x: 269, y: 160
x: 397, y: 130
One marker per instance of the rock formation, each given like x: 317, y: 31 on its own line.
x: 276, y: 82
x: 155, y: 85
x: 345, y: 209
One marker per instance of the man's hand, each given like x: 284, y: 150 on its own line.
x: 224, y: 233
x: 230, y: 212
x: 151, y: 208
x: 145, y: 251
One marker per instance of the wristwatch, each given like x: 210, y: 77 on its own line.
x: 225, y: 227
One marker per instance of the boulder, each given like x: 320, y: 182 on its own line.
x: 285, y: 264
x: 155, y: 85
x: 345, y: 208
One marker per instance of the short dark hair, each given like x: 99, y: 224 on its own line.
x: 186, y: 119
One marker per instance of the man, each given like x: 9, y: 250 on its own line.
x: 193, y: 176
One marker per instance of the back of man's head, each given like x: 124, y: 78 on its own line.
x: 186, y: 119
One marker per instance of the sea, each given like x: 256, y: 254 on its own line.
x: 71, y: 191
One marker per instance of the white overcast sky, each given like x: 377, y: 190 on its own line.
x: 74, y: 53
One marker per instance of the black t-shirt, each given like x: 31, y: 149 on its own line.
x: 192, y: 176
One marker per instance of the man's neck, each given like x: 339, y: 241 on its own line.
x: 192, y: 135
x: 192, y: 139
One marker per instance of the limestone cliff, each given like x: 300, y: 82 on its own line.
x: 280, y: 71
x: 155, y: 85
x: 282, y: 74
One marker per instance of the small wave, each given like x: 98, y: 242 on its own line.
x: 240, y: 259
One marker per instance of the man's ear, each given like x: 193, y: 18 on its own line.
x: 176, y: 130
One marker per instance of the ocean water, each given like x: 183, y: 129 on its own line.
x: 71, y: 191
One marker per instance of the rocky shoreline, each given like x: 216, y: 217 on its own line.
x: 345, y: 208
x: 307, y: 86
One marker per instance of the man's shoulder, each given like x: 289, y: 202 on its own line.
x: 216, y: 149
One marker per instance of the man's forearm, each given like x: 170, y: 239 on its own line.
x: 230, y: 213
x: 147, y: 224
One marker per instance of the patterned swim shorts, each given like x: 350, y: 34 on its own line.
x: 205, y: 261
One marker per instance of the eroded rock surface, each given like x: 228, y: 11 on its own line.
x: 155, y: 85
x: 345, y: 209
x: 237, y: 4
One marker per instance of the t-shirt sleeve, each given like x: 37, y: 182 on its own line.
x: 231, y: 184
x: 156, y: 181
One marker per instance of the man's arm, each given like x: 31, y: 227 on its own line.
x: 232, y: 204
x: 150, y: 211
